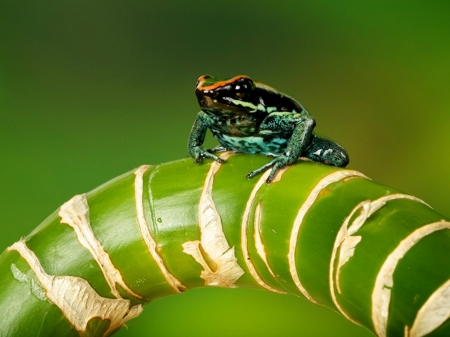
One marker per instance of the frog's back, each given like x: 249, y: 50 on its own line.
x: 275, y: 100
x: 241, y: 133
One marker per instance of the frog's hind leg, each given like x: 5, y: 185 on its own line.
x: 326, y: 151
x: 301, y: 126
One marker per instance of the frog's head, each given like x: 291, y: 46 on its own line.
x: 226, y: 96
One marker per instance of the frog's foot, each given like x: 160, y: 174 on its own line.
x: 218, y: 148
x: 198, y: 153
x: 273, y: 155
x: 277, y: 163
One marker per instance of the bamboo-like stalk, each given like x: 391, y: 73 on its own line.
x: 330, y: 235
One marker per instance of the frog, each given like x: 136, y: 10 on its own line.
x: 251, y: 117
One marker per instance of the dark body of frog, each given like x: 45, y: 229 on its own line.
x: 251, y: 117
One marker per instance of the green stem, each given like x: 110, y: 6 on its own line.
x: 330, y: 235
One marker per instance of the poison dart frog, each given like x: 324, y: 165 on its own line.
x: 251, y: 117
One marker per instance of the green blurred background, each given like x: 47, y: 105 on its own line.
x: 92, y: 89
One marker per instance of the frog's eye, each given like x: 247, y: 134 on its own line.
x: 244, y: 85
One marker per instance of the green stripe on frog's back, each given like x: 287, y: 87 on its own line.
x: 275, y: 100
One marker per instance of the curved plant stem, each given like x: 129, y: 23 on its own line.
x: 330, y: 235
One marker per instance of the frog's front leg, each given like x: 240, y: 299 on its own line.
x: 197, y: 137
x: 301, y: 126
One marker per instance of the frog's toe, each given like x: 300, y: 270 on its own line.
x: 260, y: 170
x: 270, y: 177
x: 198, y: 159
x: 275, y: 168
x: 199, y: 154
x: 213, y: 157
x: 279, y: 162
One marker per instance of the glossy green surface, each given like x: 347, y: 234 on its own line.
x: 89, y: 90
x: 435, y: 273
x: 381, y: 234
x: 60, y: 253
x: 174, y: 196
x: 25, y: 312
x: 171, y: 201
x: 315, y: 246
x: 112, y: 211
